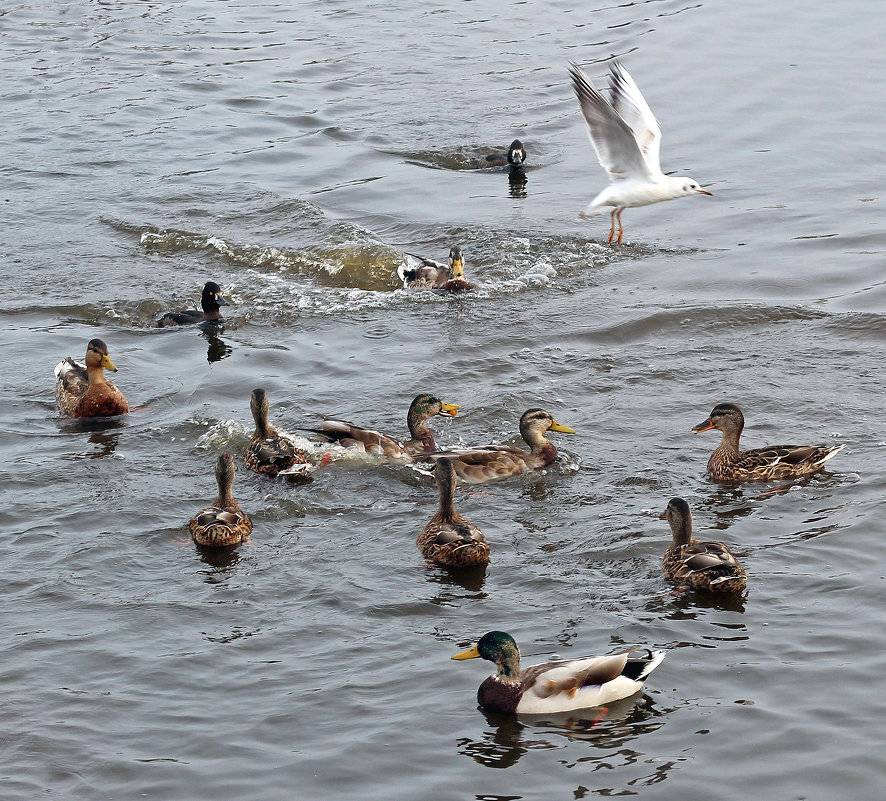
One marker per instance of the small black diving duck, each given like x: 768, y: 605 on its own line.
x: 210, y: 302
x: 515, y: 158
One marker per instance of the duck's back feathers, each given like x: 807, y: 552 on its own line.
x: 220, y: 527
x: 773, y: 462
x: 180, y: 318
x: 364, y: 440
x: 458, y: 543
x: 417, y: 272
x: 273, y: 454
x: 705, y: 566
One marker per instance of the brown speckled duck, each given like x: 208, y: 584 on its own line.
x: 771, y: 463
x: 420, y: 273
x: 448, y: 538
x: 559, y: 686
x: 422, y: 409
x: 224, y: 524
x: 268, y: 452
x: 83, y: 390
x: 497, y: 462
x: 700, y: 565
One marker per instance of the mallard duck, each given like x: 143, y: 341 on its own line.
x: 448, y: 538
x: 422, y: 409
x: 496, y: 462
x: 420, y: 273
x: 211, y: 301
x: 728, y: 463
x: 268, y: 452
x: 559, y: 686
x: 627, y: 139
x: 223, y: 524
x: 701, y: 565
x: 83, y: 391
x: 515, y: 157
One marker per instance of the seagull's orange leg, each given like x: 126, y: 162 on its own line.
x: 621, y: 229
x: 612, y: 227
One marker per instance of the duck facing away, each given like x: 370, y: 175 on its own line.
x: 771, y: 463
x: 497, y: 462
x: 421, y: 273
x: 514, y: 158
x: 83, y: 391
x: 559, y: 686
x: 448, y: 539
x: 422, y: 409
x: 268, y: 451
x: 626, y: 138
x: 211, y: 302
x: 224, y: 524
x: 700, y: 565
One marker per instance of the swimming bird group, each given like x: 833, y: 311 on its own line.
x: 626, y: 138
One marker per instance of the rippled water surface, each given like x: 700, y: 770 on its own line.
x: 292, y: 152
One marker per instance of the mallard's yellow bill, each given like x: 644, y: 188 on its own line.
x: 707, y: 425
x: 471, y: 653
x: 108, y: 364
x: 449, y: 408
x: 555, y: 426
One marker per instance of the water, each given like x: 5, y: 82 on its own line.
x: 290, y: 152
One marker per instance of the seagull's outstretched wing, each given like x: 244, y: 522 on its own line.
x: 632, y: 107
x: 612, y: 138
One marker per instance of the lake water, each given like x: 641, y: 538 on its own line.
x: 291, y: 152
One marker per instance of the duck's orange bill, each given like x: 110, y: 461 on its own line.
x: 449, y: 409
x: 707, y: 425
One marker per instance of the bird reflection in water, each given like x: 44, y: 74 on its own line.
x: 107, y: 444
x: 217, y: 349
x: 470, y: 579
x: 510, y: 737
x: 221, y: 560
x: 517, y: 184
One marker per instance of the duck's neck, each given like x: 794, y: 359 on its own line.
x: 263, y: 429
x: 225, y: 490
x: 212, y: 314
x: 95, y: 375
x: 729, y: 443
x: 419, y: 431
x: 509, y: 666
x: 542, y: 448
x: 445, y: 474
x: 681, y: 528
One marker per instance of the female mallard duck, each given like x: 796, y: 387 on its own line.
x: 448, y: 538
x: 211, y: 302
x: 514, y: 158
x: 559, y: 686
x: 496, y: 462
x: 224, y: 524
x: 422, y: 409
x: 421, y: 273
x: 83, y: 391
x: 728, y: 463
x: 268, y: 452
x: 701, y: 565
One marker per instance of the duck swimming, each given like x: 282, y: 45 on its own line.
x: 497, y: 462
x: 83, y: 391
x: 449, y: 539
x: 420, y: 273
x: 560, y: 686
x: 422, y: 409
x: 268, y: 451
x: 770, y: 463
x: 224, y: 524
x: 514, y: 158
x: 211, y: 302
x: 700, y: 565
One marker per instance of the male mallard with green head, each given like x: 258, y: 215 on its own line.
x: 560, y: 686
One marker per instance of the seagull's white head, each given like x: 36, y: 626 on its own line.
x: 682, y: 185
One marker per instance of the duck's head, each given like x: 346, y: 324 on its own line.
x: 258, y: 404
x: 212, y: 298
x: 496, y: 646
x: 725, y: 416
x: 537, y: 421
x: 516, y: 154
x: 684, y: 185
x: 224, y: 471
x: 678, y: 516
x: 97, y: 355
x: 457, y: 263
x: 425, y: 406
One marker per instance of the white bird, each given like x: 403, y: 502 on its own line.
x: 627, y: 138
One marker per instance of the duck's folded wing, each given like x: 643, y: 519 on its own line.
x: 567, y: 677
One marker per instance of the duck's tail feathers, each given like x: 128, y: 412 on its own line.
x: 638, y: 668
x: 831, y: 453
